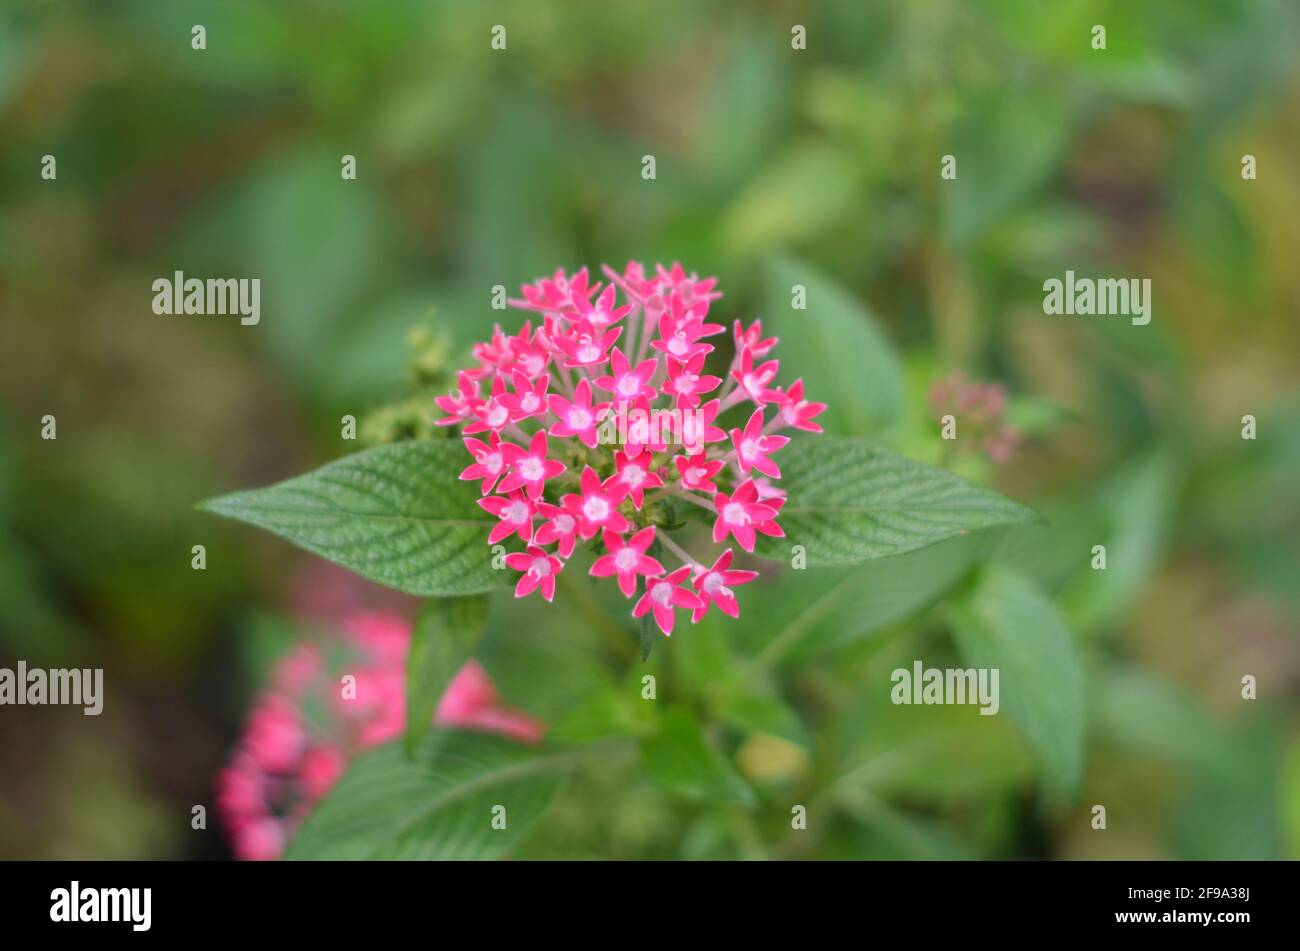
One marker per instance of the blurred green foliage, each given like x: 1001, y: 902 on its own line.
x: 478, y: 168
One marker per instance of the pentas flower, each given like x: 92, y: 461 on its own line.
x: 798, y: 412
x: 753, y: 448
x: 516, y: 512
x: 489, y: 461
x: 751, y: 338
x: 601, y: 314
x: 596, y: 507
x: 627, y: 559
x: 696, y: 472
x: 739, y: 514
x: 587, y: 347
x: 714, y: 586
x: 673, y: 442
x: 577, y: 417
x: 530, y: 467
x: 664, y: 595
x: 462, y: 404
x: 528, y: 399
x: 539, y: 570
x: 754, y: 380
x: 686, y: 381
x: 302, y: 731
x: 633, y: 477
x: 628, y: 382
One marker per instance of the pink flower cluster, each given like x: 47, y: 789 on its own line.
x: 980, y: 410
x: 303, y: 730
x: 617, y: 371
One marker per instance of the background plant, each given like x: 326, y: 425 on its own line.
x: 475, y: 171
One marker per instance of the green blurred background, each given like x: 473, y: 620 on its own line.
x: 479, y: 167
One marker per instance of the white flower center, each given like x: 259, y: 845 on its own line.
x: 531, y: 469
x: 579, y: 418
x: 626, y: 559
x: 633, y: 476
x: 595, y: 508
x: 733, y: 513
x: 677, y: 346
x: 533, y: 364
x: 530, y: 402
x: 564, y: 523
x: 588, y: 352
x: 629, y: 386
x: 713, y: 583
x: 693, y: 474
x: 662, y: 593
x: 749, y: 448
x: 541, y: 567
x: 497, y: 415
x: 517, y: 513
x: 491, y: 461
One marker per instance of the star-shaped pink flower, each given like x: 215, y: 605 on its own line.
x: 539, y: 570
x: 697, y: 471
x: 528, y: 399
x: 585, y: 346
x: 738, y: 512
x: 627, y: 559
x: 493, y: 415
x: 529, y: 467
x: 687, y: 381
x: 577, y: 417
x: 753, y: 448
x: 596, y: 506
x: 751, y: 338
x: 560, y: 527
x: 627, y: 382
x: 633, y: 476
x: 462, y: 404
x: 714, y: 585
x: 489, y: 461
x: 516, y: 514
x: 754, y: 380
x: 602, y: 313
x: 664, y: 595
x: 698, y: 429
x: 798, y: 412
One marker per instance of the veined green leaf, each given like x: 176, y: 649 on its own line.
x: 441, y: 805
x: 394, y: 514
x: 442, y: 641
x: 850, y: 502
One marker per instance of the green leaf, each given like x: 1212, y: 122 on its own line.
x: 394, y: 514
x: 837, y: 346
x: 680, y: 759
x: 850, y: 502
x: 1009, y: 624
x: 442, y: 640
x: 438, y: 806
x: 757, y: 712
x: 816, y: 611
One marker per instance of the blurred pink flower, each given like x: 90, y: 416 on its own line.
x: 304, y: 728
x: 979, y: 409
